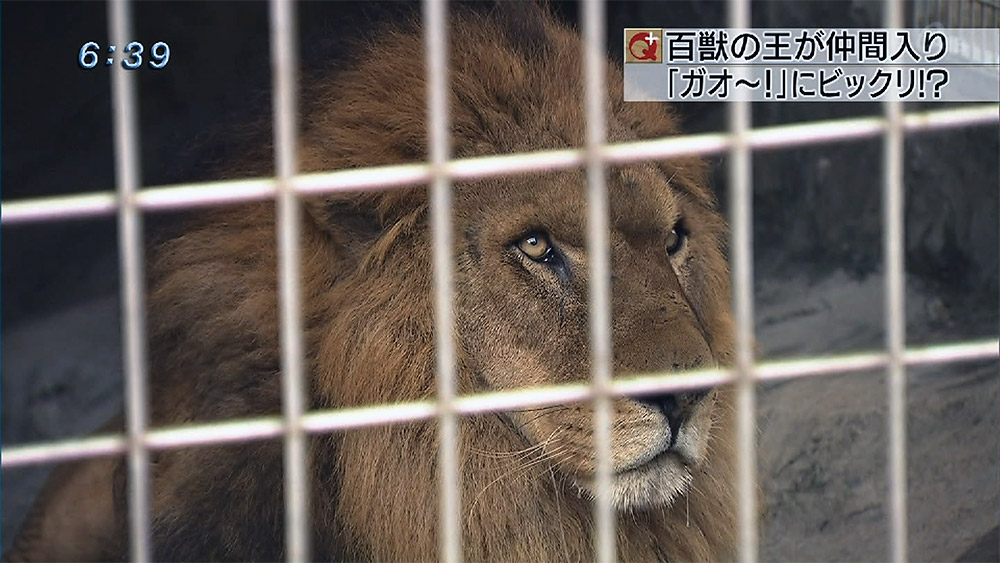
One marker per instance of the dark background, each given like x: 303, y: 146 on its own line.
x: 817, y: 247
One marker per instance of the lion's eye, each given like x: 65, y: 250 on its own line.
x: 675, y: 240
x: 535, y: 246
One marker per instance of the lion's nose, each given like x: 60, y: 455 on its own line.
x: 675, y: 406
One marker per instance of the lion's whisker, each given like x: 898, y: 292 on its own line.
x: 520, y: 470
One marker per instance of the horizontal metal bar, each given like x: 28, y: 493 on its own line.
x: 315, y: 422
x: 820, y: 365
x: 54, y: 208
x: 324, y: 421
x: 63, y: 450
x: 227, y: 432
x: 182, y: 196
x: 957, y: 352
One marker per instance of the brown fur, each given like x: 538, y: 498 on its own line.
x: 367, y: 287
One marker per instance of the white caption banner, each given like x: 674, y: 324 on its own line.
x: 865, y: 65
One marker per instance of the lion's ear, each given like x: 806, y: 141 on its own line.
x: 348, y: 224
x: 344, y: 218
x: 522, y: 23
x: 354, y: 222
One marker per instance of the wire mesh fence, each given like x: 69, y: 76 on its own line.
x: 294, y: 426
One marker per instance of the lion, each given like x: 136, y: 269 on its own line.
x: 521, y: 311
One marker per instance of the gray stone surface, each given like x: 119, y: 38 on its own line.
x: 823, y: 441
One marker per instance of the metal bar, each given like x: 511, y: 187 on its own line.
x: 288, y: 209
x: 438, y: 129
x: 55, y: 208
x: 216, y: 433
x: 598, y: 256
x: 63, y: 450
x: 316, y: 422
x: 741, y: 186
x: 183, y: 196
x: 949, y: 118
x: 950, y: 353
x: 128, y: 176
x: 895, y: 302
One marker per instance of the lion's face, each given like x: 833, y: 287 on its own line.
x: 522, y: 271
x: 522, y: 285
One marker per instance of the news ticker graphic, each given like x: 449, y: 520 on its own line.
x: 932, y: 64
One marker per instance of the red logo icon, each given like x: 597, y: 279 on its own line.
x: 643, y: 46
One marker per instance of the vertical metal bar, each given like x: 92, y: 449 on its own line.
x: 436, y: 53
x: 128, y: 177
x: 894, y: 306
x: 740, y: 181
x: 288, y: 210
x: 600, y: 272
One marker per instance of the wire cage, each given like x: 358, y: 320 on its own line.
x: 737, y: 144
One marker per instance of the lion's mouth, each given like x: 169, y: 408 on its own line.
x: 666, y: 447
x: 652, y: 467
x: 656, y: 479
x: 657, y: 482
x: 672, y: 453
